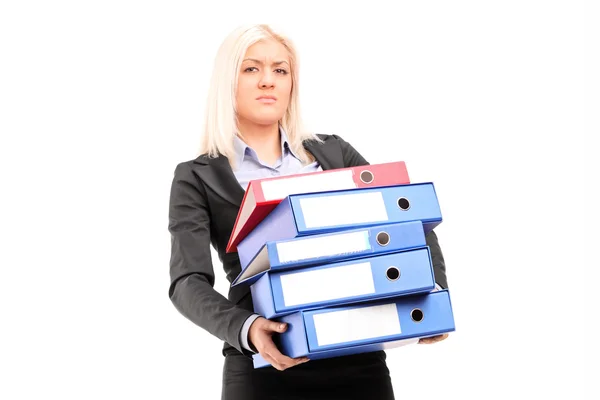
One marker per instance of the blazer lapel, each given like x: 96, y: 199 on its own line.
x: 218, y: 175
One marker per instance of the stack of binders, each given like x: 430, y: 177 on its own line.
x: 341, y: 257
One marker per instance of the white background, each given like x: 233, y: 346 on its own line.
x: 100, y: 100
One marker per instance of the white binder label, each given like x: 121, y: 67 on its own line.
x: 355, y: 208
x: 330, y: 245
x: 327, y: 284
x: 356, y: 324
x: 321, y: 182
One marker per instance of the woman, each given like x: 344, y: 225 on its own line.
x: 253, y: 131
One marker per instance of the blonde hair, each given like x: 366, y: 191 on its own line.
x: 220, y: 126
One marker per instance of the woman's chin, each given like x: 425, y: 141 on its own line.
x: 266, y: 120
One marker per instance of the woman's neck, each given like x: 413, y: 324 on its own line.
x: 265, y: 140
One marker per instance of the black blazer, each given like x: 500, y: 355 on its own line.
x: 204, y: 203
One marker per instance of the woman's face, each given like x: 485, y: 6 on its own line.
x: 264, y: 84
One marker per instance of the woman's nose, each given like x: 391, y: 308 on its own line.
x: 267, y: 80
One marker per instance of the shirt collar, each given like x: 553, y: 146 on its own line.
x: 285, y: 144
x: 242, y: 149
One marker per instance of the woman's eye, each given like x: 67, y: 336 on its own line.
x: 278, y: 70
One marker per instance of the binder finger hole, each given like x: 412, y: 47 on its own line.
x: 416, y: 315
x: 392, y: 273
x: 403, y: 203
x: 366, y: 176
x: 383, y: 238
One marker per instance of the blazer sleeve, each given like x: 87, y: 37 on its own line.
x: 191, y: 271
x: 353, y: 158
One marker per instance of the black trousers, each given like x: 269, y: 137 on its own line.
x: 355, y: 377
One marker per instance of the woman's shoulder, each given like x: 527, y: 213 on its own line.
x: 189, y: 171
x: 328, y: 137
x: 350, y: 155
x: 188, y: 165
x: 200, y: 171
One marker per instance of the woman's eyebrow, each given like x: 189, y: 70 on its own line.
x: 260, y: 62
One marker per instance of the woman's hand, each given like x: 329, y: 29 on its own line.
x: 433, y: 339
x: 260, y: 336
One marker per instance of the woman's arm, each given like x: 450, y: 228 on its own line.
x: 191, y: 270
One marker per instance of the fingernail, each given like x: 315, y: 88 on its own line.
x: 281, y: 326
